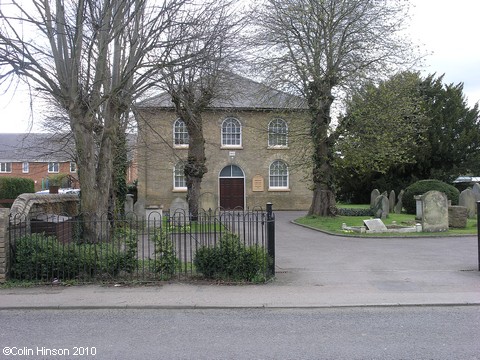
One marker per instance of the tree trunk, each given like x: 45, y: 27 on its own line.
x: 320, y: 101
x: 93, y: 166
x: 195, y: 167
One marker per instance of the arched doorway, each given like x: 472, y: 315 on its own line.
x: 232, y: 187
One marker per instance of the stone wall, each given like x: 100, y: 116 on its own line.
x: 4, y: 245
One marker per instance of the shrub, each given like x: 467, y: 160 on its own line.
x: 41, y: 257
x: 11, y: 187
x: 165, y: 258
x: 354, y: 212
x: 423, y: 186
x: 232, y: 260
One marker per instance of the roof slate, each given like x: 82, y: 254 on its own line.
x: 238, y: 92
x: 43, y: 147
x: 35, y: 147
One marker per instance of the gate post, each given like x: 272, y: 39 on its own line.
x: 4, y: 245
x: 478, y: 233
x: 270, y: 240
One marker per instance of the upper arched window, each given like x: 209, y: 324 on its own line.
x: 278, y: 175
x: 180, y: 133
x: 231, y: 132
x: 278, y: 133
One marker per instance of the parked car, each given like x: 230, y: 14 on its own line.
x: 61, y: 191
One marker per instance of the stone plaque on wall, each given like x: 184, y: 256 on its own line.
x: 258, y: 183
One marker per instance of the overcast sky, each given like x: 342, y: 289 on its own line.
x: 446, y: 29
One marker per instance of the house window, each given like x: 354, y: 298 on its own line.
x: 179, y: 181
x: 53, y: 167
x: 5, y: 167
x: 180, y: 133
x: 278, y: 178
x: 25, y: 167
x: 73, y: 167
x: 231, y: 133
x: 277, y: 133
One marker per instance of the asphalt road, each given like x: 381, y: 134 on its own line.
x: 337, y: 333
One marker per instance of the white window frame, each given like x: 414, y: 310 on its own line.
x: 25, y: 167
x: 5, y: 167
x: 231, y: 133
x: 277, y: 179
x: 180, y: 134
x: 73, y: 167
x: 179, y: 180
x: 53, y: 167
x: 277, y: 129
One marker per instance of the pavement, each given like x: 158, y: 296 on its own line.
x: 313, y: 270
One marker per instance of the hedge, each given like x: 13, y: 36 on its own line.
x: 423, y: 186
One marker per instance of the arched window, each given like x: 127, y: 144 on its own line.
x: 180, y: 133
x: 277, y: 133
x: 278, y: 178
x: 179, y: 181
x: 231, y: 132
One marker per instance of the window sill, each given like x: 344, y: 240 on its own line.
x: 279, y: 147
x: 279, y: 190
x: 180, y: 146
x: 180, y: 190
x: 231, y: 147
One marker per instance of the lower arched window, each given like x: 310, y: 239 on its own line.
x: 278, y: 178
x: 179, y: 181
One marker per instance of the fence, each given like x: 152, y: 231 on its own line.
x: 226, y: 245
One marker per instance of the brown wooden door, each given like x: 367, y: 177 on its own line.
x: 232, y: 193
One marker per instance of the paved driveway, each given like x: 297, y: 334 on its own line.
x: 307, y: 257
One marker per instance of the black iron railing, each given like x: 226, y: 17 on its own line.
x: 226, y: 245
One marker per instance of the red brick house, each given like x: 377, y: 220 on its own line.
x: 40, y: 156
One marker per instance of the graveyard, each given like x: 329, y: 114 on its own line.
x: 435, y: 216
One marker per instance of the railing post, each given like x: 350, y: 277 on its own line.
x: 478, y: 233
x: 271, y: 240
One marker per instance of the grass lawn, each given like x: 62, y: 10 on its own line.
x: 334, y: 224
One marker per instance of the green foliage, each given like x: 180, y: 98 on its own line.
x: 11, y: 187
x: 354, y: 212
x: 42, y: 257
x: 384, y: 126
x: 446, y: 146
x: 165, y: 258
x: 58, y: 180
x: 232, y: 260
x: 423, y: 186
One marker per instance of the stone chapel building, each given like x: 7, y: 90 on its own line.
x: 257, y: 151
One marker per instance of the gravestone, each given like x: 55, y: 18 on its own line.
x: 381, y: 207
x: 418, y: 207
x: 476, y: 191
x: 179, y: 211
x: 375, y: 225
x: 457, y: 216
x: 468, y: 200
x: 435, y: 211
x: 373, y: 197
x: 179, y: 205
x: 399, y: 206
x: 153, y: 215
x: 208, y: 201
x: 391, y: 200
x: 129, y: 204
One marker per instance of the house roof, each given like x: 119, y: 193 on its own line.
x: 237, y: 92
x: 35, y: 147
x: 42, y: 147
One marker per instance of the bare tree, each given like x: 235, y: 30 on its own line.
x: 211, y: 49
x: 316, y: 47
x: 92, y: 58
